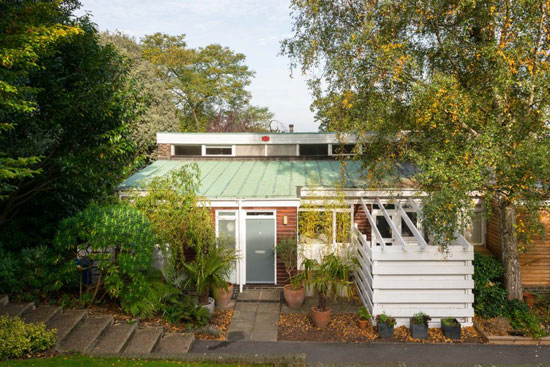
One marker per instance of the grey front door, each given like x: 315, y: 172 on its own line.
x: 260, y: 252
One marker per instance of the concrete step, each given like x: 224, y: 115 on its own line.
x: 16, y: 309
x: 65, y: 322
x: 85, y: 335
x: 176, y: 343
x: 42, y: 313
x: 115, y: 338
x: 144, y: 341
x: 4, y: 299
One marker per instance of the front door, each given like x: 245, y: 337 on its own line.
x: 260, y: 247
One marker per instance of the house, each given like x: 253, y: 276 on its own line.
x: 261, y: 186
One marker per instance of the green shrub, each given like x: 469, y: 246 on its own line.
x: 183, y: 310
x: 18, y: 339
x: 449, y: 321
x: 385, y: 319
x: 524, y: 320
x: 420, y: 318
x: 364, y: 313
x: 490, y: 295
x: 119, y: 240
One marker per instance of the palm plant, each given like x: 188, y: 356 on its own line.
x: 211, y: 268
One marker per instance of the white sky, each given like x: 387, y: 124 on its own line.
x: 252, y: 27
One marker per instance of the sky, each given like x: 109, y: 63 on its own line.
x: 252, y: 27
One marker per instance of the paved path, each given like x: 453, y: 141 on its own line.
x: 387, y: 353
x: 256, y: 315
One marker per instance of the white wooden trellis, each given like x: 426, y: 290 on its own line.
x: 413, y: 277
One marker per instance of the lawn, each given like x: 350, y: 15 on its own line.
x: 74, y: 361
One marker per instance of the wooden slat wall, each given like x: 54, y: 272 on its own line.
x: 535, y: 261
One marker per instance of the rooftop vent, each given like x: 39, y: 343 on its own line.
x: 291, y: 128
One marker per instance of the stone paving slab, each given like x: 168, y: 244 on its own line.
x: 269, y: 308
x: 244, y: 315
x: 116, y: 338
x: 16, y: 309
x: 65, y: 322
x: 176, y: 343
x: 270, y: 295
x: 246, y: 307
x: 42, y: 313
x: 86, y: 334
x: 144, y: 340
x: 249, y: 295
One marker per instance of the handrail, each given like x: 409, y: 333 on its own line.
x: 412, y: 227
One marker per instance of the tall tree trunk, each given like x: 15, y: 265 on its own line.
x: 510, y: 253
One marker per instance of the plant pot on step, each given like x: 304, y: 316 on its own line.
x: 223, y: 296
x: 363, y: 324
x: 385, y: 331
x: 419, y: 331
x: 294, y: 298
x: 320, y: 318
x: 451, y: 328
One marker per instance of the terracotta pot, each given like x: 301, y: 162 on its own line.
x: 320, y: 318
x: 222, y: 296
x: 294, y: 298
x: 529, y: 298
x: 363, y: 324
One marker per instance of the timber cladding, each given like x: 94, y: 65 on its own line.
x: 535, y: 260
x: 290, y: 229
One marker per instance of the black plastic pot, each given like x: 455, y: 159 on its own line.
x: 419, y: 331
x: 385, y: 330
x: 451, y: 331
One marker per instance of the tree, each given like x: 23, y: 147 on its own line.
x: 27, y: 29
x: 458, y: 88
x: 161, y: 113
x: 207, y: 82
x: 84, y: 104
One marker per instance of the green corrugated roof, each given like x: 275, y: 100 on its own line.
x: 233, y: 178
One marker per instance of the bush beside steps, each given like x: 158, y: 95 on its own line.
x: 26, y: 329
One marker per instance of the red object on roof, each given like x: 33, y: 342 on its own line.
x: 265, y: 138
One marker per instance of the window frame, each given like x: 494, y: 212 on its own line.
x: 219, y: 146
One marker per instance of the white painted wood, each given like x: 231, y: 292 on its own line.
x: 426, y: 298
x: 413, y: 254
x: 252, y: 138
x: 434, y: 269
x: 422, y: 284
x: 394, y: 229
x: 373, y: 225
x: 433, y: 312
x: 411, y: 226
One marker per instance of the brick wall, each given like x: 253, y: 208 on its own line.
x: 360, y: 218
x: 164, y: 151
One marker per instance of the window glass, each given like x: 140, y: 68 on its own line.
x: 218, y: 150
x: 187, y: 150
x: 343, y: 149
x: 315, y: 226
x: 383, y: 226
x: 473, y: 231
x: 227, y: 231
x: 405, y: 230
x: 313, y: 149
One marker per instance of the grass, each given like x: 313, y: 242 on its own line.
x: 74, y: 361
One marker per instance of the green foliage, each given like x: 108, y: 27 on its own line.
x: 84, y: 104
x: 489, y: 293
x: 161, y: 113
x: 119, y: 240
x: 32, y: 273
x: 287, y: 252
x: 211, y: 268
x: 449, y: 321
x: 385, y: 319
x: 172, y: 205
x: 208, y: 83
x: 420, y: 318
x: 364, y: 314
x: 458, y: 89
x: 18, y: 339
x: 326, y: 277
x: 182, y: 309
x: 525, y: 320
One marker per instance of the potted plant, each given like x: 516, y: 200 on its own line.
x: 385, y: 325
x: 210, y: 269
x: 451, y: 328
x: 419, y: 325
x: 364, y: 317
x: 324, y: 282
x: 222, y: 295
x: 294, y: 293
